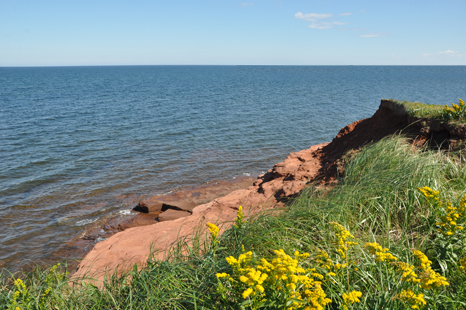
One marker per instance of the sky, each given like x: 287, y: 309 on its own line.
x: 230, y: 32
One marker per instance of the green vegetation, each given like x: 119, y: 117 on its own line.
x: 457, y: 112
x: 422, y: 110
x: 388, y: 236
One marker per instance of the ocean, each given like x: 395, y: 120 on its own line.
x: 79, y: 145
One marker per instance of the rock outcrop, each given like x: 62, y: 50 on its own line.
x: 284, y: 180
x: 133, y: 245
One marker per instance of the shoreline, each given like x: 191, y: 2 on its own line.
x: 320, y: 163
x: 134, y: 245
x: 77, y: 248
x: 283, y: 181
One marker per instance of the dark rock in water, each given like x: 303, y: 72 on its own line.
x: 149, y: 206
x: 182, y: 205
x: 172, y: 215
x: 152, y: 205
x: 141, y: 219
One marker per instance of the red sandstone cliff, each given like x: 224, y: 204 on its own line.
x: 284, y: 180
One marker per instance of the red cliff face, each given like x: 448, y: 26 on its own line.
x: 272, y: 189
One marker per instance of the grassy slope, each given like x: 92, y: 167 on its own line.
x: 377, y: 201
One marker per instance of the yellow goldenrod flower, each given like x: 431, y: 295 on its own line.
x: 448, y: 223
x: 342, y: 235
x: 457, y: 110
x: 239, y: 218
x: 247, y: 292
x: 408, y: 296
x: 16, y: 295
x: 243, y: 279
x: 429, y: 193
x: 323, y: 260
x: 431, y: 279
x: 382, y: 254
x: 352, y: 297
x: 425, y: 262
x: 409, y: 275
x: 462, y: 263
x: 213, y: 229
x: 19, y: 284
x: 231, y: 260
x: 428, y: 277
x: 260, y: 288
x: 282, y: 273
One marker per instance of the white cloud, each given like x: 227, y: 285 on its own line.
x: 246, y: 4
x: 320, y: 20
x: 313, y: 17
x: 346, y: 14
x: 447, y: 53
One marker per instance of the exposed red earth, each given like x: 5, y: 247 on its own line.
x: 182, y: 218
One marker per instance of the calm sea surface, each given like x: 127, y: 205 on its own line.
x: 82, y: 144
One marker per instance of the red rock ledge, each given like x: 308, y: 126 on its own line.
x: 286, y: 179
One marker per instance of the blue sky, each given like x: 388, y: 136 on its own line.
x: 229, y: 32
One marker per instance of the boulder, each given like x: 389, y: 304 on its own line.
x: 181, y: 205
x: 149, y: 206
x: 172, y: 215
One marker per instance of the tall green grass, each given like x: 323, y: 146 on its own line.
x: 377, y: 200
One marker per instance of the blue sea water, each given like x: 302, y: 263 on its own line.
x: 81, y: 144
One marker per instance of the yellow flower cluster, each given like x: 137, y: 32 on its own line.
x: 408, y: 296
x: 342, y: 235
x: 239, y: 218
x: 283, y: 273
x: 428, y: 277
x: 449, y: 215
x: 448, y: 223
x: 20, y: 295
x: 351, y: 298
x: 213, y: 229
x: 382, y: 254
x: 429, y: 193
x: 242, y: 259
x: 19, y: 284
x: 462, y: 263
x: 409, y: 275
x: 422, y: 275
x: 457, y: 110
x: 324, y: 261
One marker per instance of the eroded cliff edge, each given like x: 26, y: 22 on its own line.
x: 319, y: 163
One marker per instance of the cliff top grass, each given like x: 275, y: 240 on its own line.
x: 423, y: 110
x: 388, y: 236
x: 455, y: 113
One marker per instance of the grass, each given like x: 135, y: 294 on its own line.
x: 436, y: 112
x: 376, y: 201
x: 422, y: 110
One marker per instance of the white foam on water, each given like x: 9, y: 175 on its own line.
x: 125, y: 212
x: 246, y: 174
x: 85, y: 222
